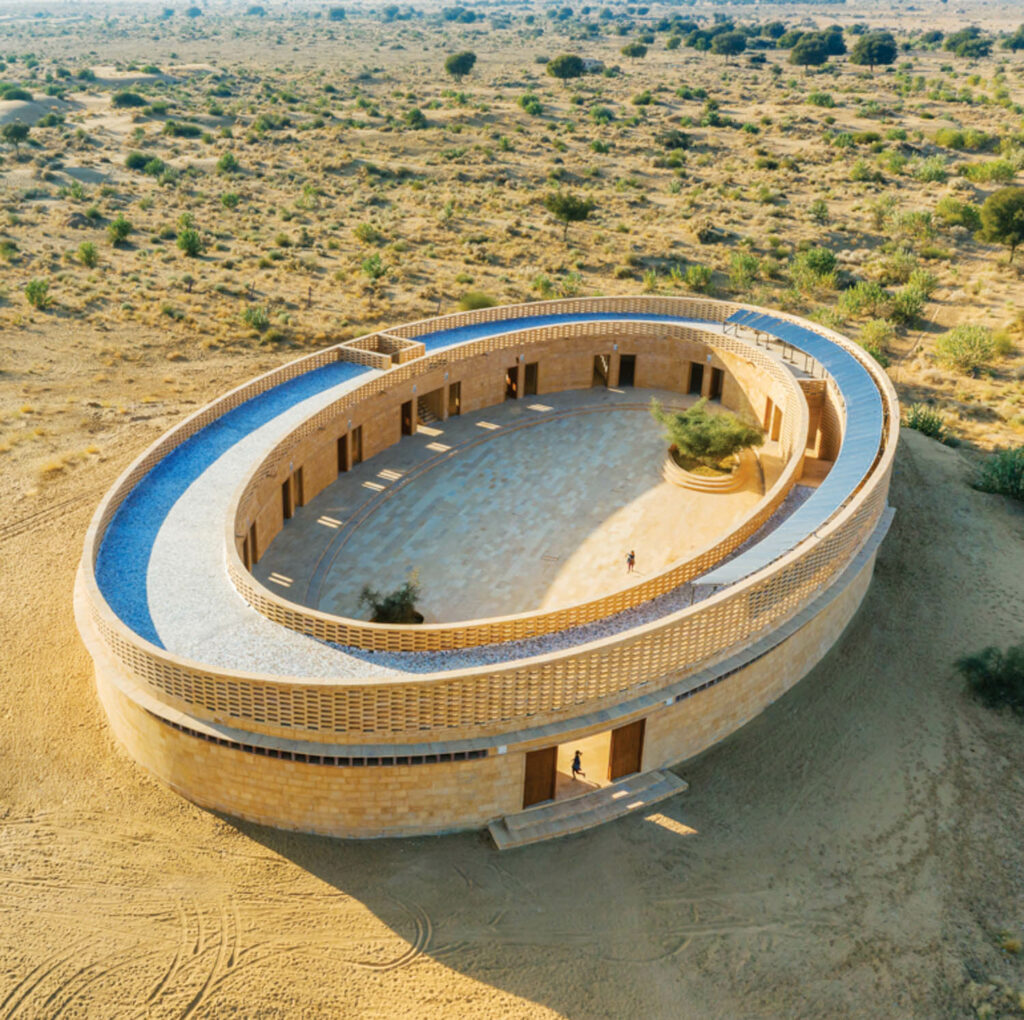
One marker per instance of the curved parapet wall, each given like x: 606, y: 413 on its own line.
x: 267, y: 721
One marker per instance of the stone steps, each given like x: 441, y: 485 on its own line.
x: 564, y: 817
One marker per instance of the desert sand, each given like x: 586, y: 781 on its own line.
x: 853, y: 852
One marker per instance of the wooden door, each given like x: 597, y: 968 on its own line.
x: 627, y: 750
x: 539, y: 781
x: 530, y: 383
x: 717, y: 382
x: 696, y: 378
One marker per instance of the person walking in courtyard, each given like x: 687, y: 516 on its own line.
x: 577, y: 766
x: 630, y: 561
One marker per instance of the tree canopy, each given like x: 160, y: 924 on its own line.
x: 15, y: 132
x: 810, y: 51
x: 1002, y: 218
x: 568, y: 208
x: 706, y: 438
x: 729, y: 44
x: 568, y: 65
x: 874, y: 48
x: 458, y: 65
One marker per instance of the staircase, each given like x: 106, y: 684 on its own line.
x: 424, y: 414
x: 563, y: 817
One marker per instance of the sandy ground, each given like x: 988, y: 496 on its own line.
x: 855, y: 850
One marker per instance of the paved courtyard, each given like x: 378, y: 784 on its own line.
x: 526, y: 505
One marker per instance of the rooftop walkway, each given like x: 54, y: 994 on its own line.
x: 164, y: 575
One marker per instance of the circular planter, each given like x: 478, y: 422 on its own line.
x: 731, y: 482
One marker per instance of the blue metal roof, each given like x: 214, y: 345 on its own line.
x: 861, y: 440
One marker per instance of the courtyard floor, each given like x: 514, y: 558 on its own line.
x: 530, y: 504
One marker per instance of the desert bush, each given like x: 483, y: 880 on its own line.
x: 995, y: 677
x: 743, y: 270
x: 531, y: 104
x: 230, y: 199
x: 966, y: 348
x: 896, y: 268
x: 368, y: 234
x: 964, y: 139
x: 228, y: 164
x: 862, y: 171
x: 818, y: 211
x: 1003, y: 472
x: 706, y: 438
x: 635, y: 50
x: 256, y: 317
x: 178, y: 129
x: 875, y: 337
x: 924, y: 281
x: 823, y: 99
x: 416, y: 119
x: 118, y: 229
x: 995, y: 171
x: 373, y: 267
x: 88, y: 254
x: 458, y: 65
x: 398, y: 606
x: 698, y: 278
x: 926, y: 420
x: 929, y: 170
x: 866, y: 297
x: 907, y: 304
x: 815, y: 267
x: 37, y: 292
x: 190, y: 242
x: 951, y: 212
x: 474, y: 299
x: 127, y: 99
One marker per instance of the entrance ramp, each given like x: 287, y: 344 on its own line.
x: 575, y: 814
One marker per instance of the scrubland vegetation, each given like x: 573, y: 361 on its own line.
x: 205, y: 188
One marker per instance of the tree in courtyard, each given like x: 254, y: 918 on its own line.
x: 810, y: 51
x: 728, y: 44
x: 1002, y: 218
x: 566, y: 66
x: 874, y: 48
x: 568, y: 208
x: 706, y: 438
x: 458, y: 65
x: 398, y: 606
x: 15, y: 133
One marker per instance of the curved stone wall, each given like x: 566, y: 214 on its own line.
x: 429, y: 751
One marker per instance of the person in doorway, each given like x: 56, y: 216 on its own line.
x: 577, y: 765
x: 630, y: 561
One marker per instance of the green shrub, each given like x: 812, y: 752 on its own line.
x: 966, y: 348
x: 930, y: 170
x: 88, y: 254
x: 969, y: 139
x: 706, y: 438
x: 907, y: 305
x: 698, y: 278
x: 230, y: 199
x: 995, y: 171
x: 531, y: 104
x: 865, y: 298
x: 743, y: 270
x: 37, y: 292
x: 416, y: 119
x: 368, y: 234
x: 126, y: 99
x: 176, y: 129
x: 136, y: 160
x: 951, y: 212
x: 190, y: 241
x: 815, y: 267
x: 118, y: 229
x: 474, y: 299
x: 875, y: 337
x: 256, y: 317
x: 1003, y: 472
x: 398, y: 606
x: 823, y: 99
x: 926, y: 420
x: 995, y: 677
x: 228, y: 164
